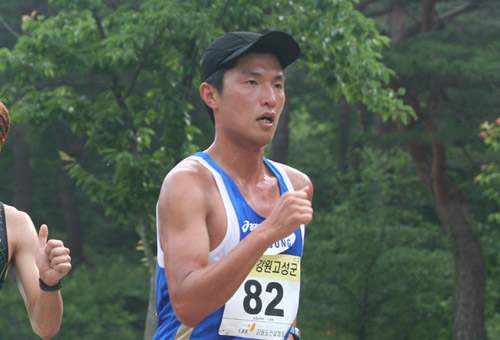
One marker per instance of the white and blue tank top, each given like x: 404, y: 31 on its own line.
x: 277, y: 273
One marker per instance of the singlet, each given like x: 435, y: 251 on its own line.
x: 4, y: 246
x: 241, y: 220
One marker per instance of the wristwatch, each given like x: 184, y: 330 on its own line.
x: 295, y: 332
x: 47, y: 288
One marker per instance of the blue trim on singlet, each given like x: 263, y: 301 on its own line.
x: 207, y: 329
x: 243, y: 209
x: 4, y: 245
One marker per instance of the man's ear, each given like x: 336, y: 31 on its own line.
x: 209, y: 95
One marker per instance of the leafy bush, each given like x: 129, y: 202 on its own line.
x: 103, y: 300
x: 374, y: 267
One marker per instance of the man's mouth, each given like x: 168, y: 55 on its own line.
x: 265, y: 120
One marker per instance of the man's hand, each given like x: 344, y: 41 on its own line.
x: 53, y: 260
x: 292, y: 210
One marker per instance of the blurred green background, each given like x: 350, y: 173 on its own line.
x: 392, y: 110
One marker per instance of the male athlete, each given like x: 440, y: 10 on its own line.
x: 231, y: 222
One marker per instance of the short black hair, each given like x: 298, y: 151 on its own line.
x: 216, y: 79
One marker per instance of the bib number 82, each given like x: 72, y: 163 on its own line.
x: 253, y: 290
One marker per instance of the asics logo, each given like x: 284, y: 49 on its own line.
x: 247, y: 226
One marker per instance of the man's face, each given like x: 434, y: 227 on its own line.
x: 251, y: 101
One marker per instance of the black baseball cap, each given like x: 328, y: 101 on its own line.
x: 231, y: 45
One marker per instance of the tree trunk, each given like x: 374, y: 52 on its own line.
x: 397, y: 20
x: 151, y: 318
x: 470, y: 275
x: 343, y: 134
x: 427, y: 18
x: 23, y: 184
x: 279, y: 148
x: 69, y: 202
x: 429, y: 159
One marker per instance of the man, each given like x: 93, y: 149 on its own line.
x: 39, y: 264
x: 230, y: 222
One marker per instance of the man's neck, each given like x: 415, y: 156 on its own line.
x: 242, y: 164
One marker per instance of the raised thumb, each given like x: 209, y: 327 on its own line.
x: 42, y: 236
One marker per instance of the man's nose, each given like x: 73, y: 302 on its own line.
x: 268, y: 96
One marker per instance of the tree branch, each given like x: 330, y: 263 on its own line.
x: 427, y: 17
x: 99, y: 24
x: 6, y: 25
x: 429, y: 157
x: 379, y: 12
x: 459, y: 10
x: 416, y: 27
x: 113, y: 86
x: 142, y: 62
x: 363, y: 4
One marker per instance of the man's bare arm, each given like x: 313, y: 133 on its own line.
x: 45, y: 309
x: 197, y: 288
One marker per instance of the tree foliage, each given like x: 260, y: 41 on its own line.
x: 103, y: 299
x: 489, y: 179
x: 490, y: 174
x: 378, y: 269
x: 122, y: 76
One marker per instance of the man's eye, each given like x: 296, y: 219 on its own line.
x: 251, y: 82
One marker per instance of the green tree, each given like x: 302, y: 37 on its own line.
x: 389, y: 273
x: 490, y: 174
x: 444, y: 58
x: 121, y: 77
x: 489, y: 179
x: 103, y: 299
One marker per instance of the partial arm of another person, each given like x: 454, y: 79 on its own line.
x: 33, y: 258
x: 185, y: 205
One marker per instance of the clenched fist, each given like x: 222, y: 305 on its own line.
x: 53, y: 260
x: 292, y: 210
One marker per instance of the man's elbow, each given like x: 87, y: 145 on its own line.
x: 47, y: 334
x: 187, y: 314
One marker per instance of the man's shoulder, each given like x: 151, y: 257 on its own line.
x: 187, y: 190
x: 188, y: 176
x: 20, y: 228
x: 186, y: 170
x: 16, y: 217
x: 298, y: 178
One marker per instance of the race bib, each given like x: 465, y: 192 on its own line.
x: 266, y: 303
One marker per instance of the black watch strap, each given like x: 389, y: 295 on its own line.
x: 54, y: 288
